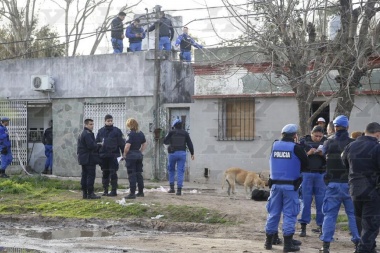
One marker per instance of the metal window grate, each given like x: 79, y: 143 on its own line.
x: 236, y: 118
x: 16, y: 111
x: 98, y: 111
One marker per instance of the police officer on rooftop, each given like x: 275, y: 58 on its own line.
x: 117, y: 34
x: 287, y: 161
x: 362, y: 159
x: 185, y: 42
x: 166, y: 32
x: 336, y: 179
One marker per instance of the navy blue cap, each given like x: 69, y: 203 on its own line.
x: 176, y: 121
x: 289, y: 129
x: 341, y: 121
x: 4, y: 119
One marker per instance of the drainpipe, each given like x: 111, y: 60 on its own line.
x: 157, y: 72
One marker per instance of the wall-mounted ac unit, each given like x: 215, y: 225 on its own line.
x: 42, y: 83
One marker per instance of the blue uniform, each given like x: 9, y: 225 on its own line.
x: 177, y: 140
x: 48, y: 142
x: 337, y: 191
x: 362, y: 158
x: 166, y: 33
x: 112, y: 148
x: 134, y: 161
x: 312, y: 182
x: 116, y: 35
x: 185, y: 42
x: 286, y: 161
x: 134, y: 41
x: 5, y: 148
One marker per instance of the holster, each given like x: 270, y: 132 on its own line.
x: 297, y: 183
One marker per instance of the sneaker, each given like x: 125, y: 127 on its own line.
x: 140, y: 194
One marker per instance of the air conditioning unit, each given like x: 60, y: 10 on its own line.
x: 42, y: 83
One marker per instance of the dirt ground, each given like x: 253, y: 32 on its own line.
x: 155, y: 235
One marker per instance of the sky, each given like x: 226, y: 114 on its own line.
x: 202, y: 30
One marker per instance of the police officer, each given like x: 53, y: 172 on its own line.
x: 47, y: 140
x: 135, y: 34
x: 113, y: 146
x: 287, y: 160
x: 88, y: 157
x: 312, y: 179
x: 178, y: 139
x: 134, y: 146
x: 117, y: 34
x: 336, y: 179
x: 5, y: 147
x: 362, y: 158
x: 166, y: 32
x: 185, y: 42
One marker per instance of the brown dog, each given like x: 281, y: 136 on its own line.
x: 242, y: 177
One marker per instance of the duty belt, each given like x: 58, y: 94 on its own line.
x: 283, y: 182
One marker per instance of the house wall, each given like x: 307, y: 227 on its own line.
x: 251, y: 155
x: 127, y: 78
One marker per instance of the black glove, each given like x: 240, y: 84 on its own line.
x: 4, y: 151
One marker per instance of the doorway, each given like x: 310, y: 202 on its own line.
x: 325, y: 113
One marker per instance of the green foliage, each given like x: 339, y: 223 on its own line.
x: 61, y: 198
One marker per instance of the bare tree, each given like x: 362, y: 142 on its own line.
x: 292, y: 37
x: 83, y: 10
x: 20, y: 36
x: 22, y: 22
x: 357, y: 41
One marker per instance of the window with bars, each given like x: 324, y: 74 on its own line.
x: 236, y: 118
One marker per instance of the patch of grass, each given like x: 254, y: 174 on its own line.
x: 59, y: 198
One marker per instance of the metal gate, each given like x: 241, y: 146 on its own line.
x: 16, y: 111
x: 98, y: 111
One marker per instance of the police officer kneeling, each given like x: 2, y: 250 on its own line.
x: 287, y: 160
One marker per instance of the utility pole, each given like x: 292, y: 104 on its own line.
x: 157, y: 72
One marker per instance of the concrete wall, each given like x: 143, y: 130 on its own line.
x: 251, y: 155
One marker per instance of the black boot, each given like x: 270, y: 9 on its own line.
x: 92, y: 195
x: 269, y: 241
x: 140, y: 194
x: 84, y: 194
x: 171, y: 189
x: 288, y: 244
x: 317, y: 230
x: 105, y: 183
x: 113, y: 193
x: 356, y: 247
x: 130, y: 196
x: 105, y: 193
x: 45, y: 171
x: 303, y: 230
x: 325, y: 248
x: 179, y: 191
x: 276, y: 240
x: 3, y: 175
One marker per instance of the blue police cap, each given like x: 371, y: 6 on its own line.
x: 341, y: 121
x: 4, y: 119
x: 289, y: 129
x: 176, y: 121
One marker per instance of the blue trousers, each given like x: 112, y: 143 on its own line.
x: 88, y: 178
x: 6, y: 159
x: 282, y: 199
x: 117, y: 45
x: 49, y: 157
x: 135, y: 46
x: 186, y: 55
x: 164, y: 43
x: 109, y: 167
x: 336, y: 194
x: 312, y: 184
x: 179, y: 158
